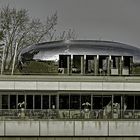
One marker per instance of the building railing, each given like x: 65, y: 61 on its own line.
x: 100, y: 73
x: 67, y: 114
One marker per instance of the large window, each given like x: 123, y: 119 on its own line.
x: 74, y: 101
x: 100, y: 102
x: 90, y: 63
x: 37, y: 101
x: 107, y: 101
x: 117, y: 100
x: 126, y: 61
x: 53, y: 102
x: 64, y: 102
x: 45, y: 101
x: 97, y: 102
x: 78, y: 64
x: 21, y: 100
x: 129, y: 102
x: 85, y: 101
x: 4, y: 101
x: 29, y: 102
x: 64, y: 64
x: 13, y: 102
x: 103, y: 64
x: 137, y: 102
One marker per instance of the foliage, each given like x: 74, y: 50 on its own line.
x: 40, y: 67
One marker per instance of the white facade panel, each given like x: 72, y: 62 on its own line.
x: 5, y: 85
x: 47, y: 85
x: 85, y: 86
x: 115, y: 86
x: 132, y: 86
x: 91, y: 128
x: 124, y: 128
x: 56, y: 128
x: 91, y: 85
x: 22, y: 128
x: 69, y: 86
x: 24, y: 85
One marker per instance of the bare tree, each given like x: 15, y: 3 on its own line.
x: 20, y: 30
x: 67, y: 35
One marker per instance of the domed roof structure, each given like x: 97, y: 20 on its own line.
x: 52, y: 50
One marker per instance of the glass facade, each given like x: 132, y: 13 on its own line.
x: 79, y: 57
x: 82, y: 64
x: 76, y: 105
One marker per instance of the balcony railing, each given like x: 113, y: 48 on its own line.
x: 67, y: 114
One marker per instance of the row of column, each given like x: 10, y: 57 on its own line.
x: 97, y: 69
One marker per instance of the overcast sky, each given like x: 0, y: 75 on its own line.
x: 117, y: 20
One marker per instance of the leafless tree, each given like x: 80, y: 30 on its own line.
x: 67, y: 35
x: 18, y: 28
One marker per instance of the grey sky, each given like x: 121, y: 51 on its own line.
x: 117, y: 20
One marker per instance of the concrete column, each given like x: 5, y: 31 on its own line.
x: 41, y: 101
x: 112, y: 106
x: 33, y: 101
x: 8, y: 101
x: 108, y: 65
x: 25, y: 100
x: 49, y: 101
x: 96, y: 61
x: 69, y: 102
x: 71, y: 65
x: 121, y: 65
x: 68, y: 64
x: 82, y: 64
x: 91, y: 101
x: 122, y: 107
x: 17, y: 101
x: 131, y: 65
x: 80, y: 103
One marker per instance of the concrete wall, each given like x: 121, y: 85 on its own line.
x: 56, y: 128
x: 21, y: 128
x: 69, y: 128
x: 98, y: 86
x: 91, y: 128
x: 69, y: 138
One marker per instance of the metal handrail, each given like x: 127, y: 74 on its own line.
x: 35, y: 114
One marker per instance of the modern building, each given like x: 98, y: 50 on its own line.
x: 79, y: 57
x: 77, y: 89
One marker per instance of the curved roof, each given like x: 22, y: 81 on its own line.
x: 52, y: 50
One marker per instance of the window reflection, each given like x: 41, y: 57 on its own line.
x: 64, y: 102
x: 74, y: 101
